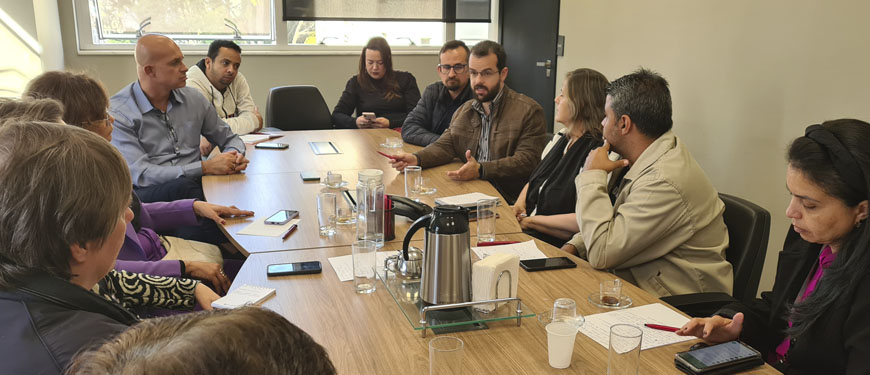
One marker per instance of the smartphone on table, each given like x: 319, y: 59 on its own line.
x: 543, y: 264
x: 282, y: 217
x: 272, y: 145
x: 298, y: 268
x: 724, y: 358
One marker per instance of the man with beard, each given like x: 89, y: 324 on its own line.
x: 158, y: 124
x: 497, y: 134
x: 218, y: 78
x: 440, y: 100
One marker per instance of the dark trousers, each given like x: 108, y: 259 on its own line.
x: 184, y: 188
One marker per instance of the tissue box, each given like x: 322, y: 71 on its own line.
x: 484, y: 275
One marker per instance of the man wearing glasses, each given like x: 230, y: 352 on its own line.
x: 440, y: 100
x: 497, y: 134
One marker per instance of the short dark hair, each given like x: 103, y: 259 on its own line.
x: 644, y: 96
x: 249, y: 340
x: 454, y: 44
x: 83, y: 97
x: 486, y: 47
x: 215, y: 48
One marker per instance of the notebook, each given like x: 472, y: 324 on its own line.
x: 244, y: 295
x: 464, y: 200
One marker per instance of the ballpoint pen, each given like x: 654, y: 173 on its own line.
x: 287, y: 233
x: 661, y: 327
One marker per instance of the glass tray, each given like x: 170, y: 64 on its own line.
x: 406, y: 293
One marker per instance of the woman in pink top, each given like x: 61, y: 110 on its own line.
x: 817, y: 317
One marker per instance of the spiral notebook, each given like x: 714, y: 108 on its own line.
x: 242, y: 296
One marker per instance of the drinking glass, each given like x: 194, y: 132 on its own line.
x: 326, y: 213
x: 564, y: 310
x: 445, y: 355
x: 333, y: 180
x: 364, y: 254
x: 486, y: 220
x: 610, y: 292
x: 413, y: 179
x: 394, y: 142
x: 623, y: 357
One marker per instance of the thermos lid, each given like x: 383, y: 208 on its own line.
x: 371, y: 175
x: 449, y: 219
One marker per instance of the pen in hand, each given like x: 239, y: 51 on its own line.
x: 661, y: 327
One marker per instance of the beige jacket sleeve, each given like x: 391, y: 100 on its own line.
x: 649, y: 223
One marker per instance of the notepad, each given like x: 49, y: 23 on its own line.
x: 464, y: 200
x: 525, y: 250
x: 254, y: 138
x: 597, y: 327
x: 242, y: 296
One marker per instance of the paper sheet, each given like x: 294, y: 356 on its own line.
x: 260, y: 228
x: 526, y: 250
x: 343, y: 265
x: 464, y: 200
x: 597, y: 326
x: 254, y: 138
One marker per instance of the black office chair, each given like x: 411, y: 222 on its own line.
x: 748, y: 231
x: 297, y: 108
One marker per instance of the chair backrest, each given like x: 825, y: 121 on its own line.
x: 748, y: 231
x: 297, y: 108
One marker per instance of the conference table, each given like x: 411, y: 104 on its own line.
x: 369, y: 333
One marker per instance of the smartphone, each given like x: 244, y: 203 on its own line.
x: 272, y: 145
x: 729, y: 357
x: 310, y: 176
x: 282, y: 217
x: 543, y: 264
x: 369, y: 116
x: 298, y: 268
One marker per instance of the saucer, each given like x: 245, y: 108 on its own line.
x: 340, y: 185
x: 546, y: 317
x: 595, y: 299
x: 384, y: 145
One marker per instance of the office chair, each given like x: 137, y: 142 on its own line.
x: 748, y: 231
x: 297, y: 108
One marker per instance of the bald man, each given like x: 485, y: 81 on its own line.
x: 158, y: 124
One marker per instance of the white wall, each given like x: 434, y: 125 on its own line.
x: 746, y: 77
x: 328, y: 73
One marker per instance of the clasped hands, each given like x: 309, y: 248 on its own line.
x: 380, y: 122
x: 468, y: 171
x: 225, y: 163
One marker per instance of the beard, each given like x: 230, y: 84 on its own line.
x: 453, y: 84
x: 490, y: 93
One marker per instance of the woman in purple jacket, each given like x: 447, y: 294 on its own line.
x: 144, y: 250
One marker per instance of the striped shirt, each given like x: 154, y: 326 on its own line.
x: 485, y: 123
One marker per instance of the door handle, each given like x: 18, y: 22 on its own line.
x: 547, y: 64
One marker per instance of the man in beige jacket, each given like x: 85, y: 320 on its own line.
x: 658, y: 221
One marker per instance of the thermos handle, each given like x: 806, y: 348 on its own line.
x: 420, y: 223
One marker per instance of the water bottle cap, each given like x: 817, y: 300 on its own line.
x: 371, y: 175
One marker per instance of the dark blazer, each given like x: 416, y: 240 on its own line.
x: 558, y: 170
x: 45, y: 321
x: 355, y: 98
x: 431, y: 117
x: 839, y: 341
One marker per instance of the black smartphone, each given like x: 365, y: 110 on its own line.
x: 725, y: 358
x: 298, y: 268
x: 310, y: 176
x: 282, y: 217
x: 543, y: 264
x: 272, y: 145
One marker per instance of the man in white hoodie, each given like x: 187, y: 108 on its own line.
x: 217, y: 77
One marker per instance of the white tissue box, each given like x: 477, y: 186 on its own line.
x: 484, y: 275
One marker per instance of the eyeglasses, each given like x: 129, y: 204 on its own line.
x: 484, y: 74
x: 87, y: 123
x: 458, y: 68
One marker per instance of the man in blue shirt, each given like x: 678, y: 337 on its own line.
x: 158, y: 123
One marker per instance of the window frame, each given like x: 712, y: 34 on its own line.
x: 85, y: 46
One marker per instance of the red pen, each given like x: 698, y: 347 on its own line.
x: 496, y: 243
x: 661, y: 327
x: 287, y: 233
x: 387, y: 155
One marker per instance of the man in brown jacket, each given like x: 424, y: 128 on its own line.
x: 498, y: 134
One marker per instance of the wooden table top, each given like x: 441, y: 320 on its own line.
x: 282, y: 188
x: 368, y: 334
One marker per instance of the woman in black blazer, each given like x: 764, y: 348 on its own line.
x: 817, y: 317
x: 377, y: 88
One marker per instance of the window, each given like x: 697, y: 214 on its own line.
x: 108, y: 26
